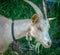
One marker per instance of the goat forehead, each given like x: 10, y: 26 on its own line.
x: 43, y: 25
x: 43, y: 21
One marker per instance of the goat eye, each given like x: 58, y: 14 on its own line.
x: 39, y: 29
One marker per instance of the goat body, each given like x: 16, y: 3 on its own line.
x: 21, y: 27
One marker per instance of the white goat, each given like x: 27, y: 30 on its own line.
x: 37, y: 27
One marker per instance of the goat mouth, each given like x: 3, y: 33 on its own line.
x: 46, y: 46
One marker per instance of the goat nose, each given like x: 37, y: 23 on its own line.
x: 48, y: 43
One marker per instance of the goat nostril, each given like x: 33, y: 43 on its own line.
x: 48, y: 43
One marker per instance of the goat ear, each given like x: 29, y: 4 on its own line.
x: 50, y: 19
x: 34, y: 18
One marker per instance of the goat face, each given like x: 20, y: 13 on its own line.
x: 39, y: 30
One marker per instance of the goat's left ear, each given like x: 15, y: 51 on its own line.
x: 34, y: 18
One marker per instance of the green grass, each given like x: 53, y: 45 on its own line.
x: 18, y: 9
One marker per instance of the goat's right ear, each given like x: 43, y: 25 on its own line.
x: 50, y: 19
x: 34, y: 18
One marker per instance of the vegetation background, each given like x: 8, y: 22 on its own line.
x: 18, y: 9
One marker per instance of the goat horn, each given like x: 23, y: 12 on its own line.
x: 37, y: 10
x: 44, y: 9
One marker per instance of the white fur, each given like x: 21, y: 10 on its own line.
x: 21, y: 28
x: 38, y: 30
